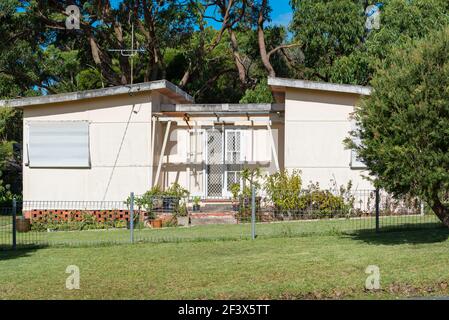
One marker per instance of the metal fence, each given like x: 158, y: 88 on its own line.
x: 169, y: 219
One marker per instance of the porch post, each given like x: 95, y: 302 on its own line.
x: 273, y: 148
x: 161, y: 158
x: 153, y: 139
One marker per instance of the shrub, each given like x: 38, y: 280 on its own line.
x: 283, y: 190
x: 321, y: 202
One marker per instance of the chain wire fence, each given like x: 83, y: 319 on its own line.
x: 170, y: 219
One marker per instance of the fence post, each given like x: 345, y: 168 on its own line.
x: 14, y: 226
x: 131, y: 216
x: 377, y: 210
x: 253, y: 212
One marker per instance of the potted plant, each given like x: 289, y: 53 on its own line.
x: 23, y: 224
x: 173, y: 196
x: 182, y: 216
x: 151, y: 202
x: 156, y: 223
x: 196, y: 204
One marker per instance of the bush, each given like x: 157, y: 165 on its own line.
x: 283, y: 190
x: 322, y: 202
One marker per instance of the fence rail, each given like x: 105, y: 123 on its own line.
x: 168, y: 219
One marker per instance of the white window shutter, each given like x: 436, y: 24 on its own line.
x: 59, y: 144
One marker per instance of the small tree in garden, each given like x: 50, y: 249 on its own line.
x: 284, y: 188
x: 403, y: 126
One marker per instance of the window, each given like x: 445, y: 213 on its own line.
x: 59, y: 144
x: 233, y: 146
x: 355, y: 162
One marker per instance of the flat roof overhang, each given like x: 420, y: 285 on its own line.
x: 163, y: 86
x: 221, y: 114
x: 233, y: 109
x: 279, y: 86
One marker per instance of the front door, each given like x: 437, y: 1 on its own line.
x: 223, y: 163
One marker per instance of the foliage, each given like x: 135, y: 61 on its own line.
x: 336, y: 47
x: 326, y: 30
x: 196, y: 200
x: 176, y: 191
x: 260, y: 94
x: 10, y: 154
x: 323, y: 202
x: 235, y: 190
x: 403, y: 125
x: 283, y: 189
x: 172, y: 200
x: 251, y: 176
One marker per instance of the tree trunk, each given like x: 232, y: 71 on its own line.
x: 125, y: 67
x: 237, y: 58
x: 441, y: 211
x: 99, y: 59
x: 261, y: 39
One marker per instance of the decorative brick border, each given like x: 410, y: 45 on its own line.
x: 77, y: 215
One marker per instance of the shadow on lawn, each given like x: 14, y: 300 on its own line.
x: 25, y: 251
x: 396, y: 237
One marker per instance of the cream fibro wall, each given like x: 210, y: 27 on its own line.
x: 316, y: 123
x: 119, y: 144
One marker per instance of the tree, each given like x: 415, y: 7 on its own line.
x: 326, y: 30
x: 403, y: 125
x: 261, y: 10
x: 335, y: 46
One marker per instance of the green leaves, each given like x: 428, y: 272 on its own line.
x: 336, y: 46
x: 260, y: 94
x: 403, y: 124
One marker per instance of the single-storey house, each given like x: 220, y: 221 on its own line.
x: 102, y: 144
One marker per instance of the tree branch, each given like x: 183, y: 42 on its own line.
x: 283, y: 46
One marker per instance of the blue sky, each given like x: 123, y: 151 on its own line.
x: 281, y: 14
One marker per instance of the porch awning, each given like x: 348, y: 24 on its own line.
x: 220, y: 114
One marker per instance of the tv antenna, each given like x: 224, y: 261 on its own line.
x: 131, y: 53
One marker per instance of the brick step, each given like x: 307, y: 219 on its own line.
x: 210, y: 208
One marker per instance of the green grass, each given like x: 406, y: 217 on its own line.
x: 213, y: 232
x: 412, y: 263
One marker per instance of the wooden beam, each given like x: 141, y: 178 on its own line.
x: 153, y: 140
x: 273, y: 148
x: 161, y: 158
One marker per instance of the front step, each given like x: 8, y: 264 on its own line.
x: 199, y: 219
x: 216, y: 207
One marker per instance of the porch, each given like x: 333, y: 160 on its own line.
x: 204, y: 148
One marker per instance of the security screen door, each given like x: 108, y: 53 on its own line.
x: 223, y: 164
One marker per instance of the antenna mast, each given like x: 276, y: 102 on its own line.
x: 131, y: 53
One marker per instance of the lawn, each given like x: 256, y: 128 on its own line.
x: 213, y: 232
x: 412, y: 263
